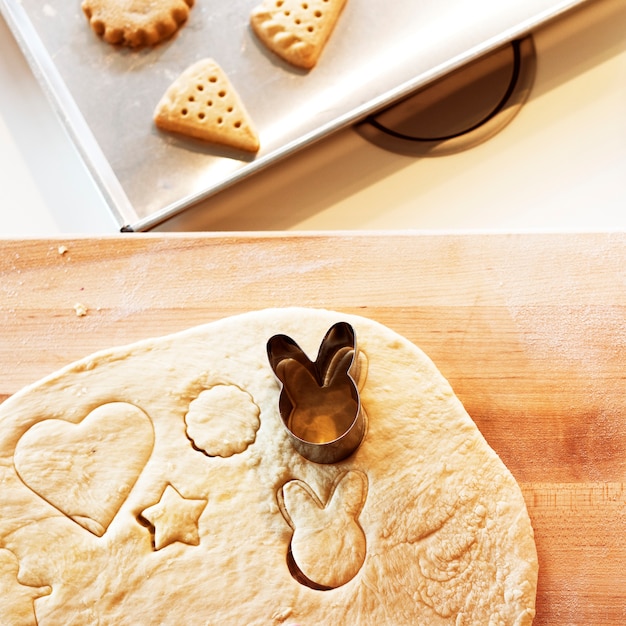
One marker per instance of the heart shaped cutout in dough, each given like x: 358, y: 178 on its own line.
x: 87, y: 470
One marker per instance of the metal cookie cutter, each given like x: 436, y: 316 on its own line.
x: 319, y: 401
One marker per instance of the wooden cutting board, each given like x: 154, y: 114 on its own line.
x: 529, y: 329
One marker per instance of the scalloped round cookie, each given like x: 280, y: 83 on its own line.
x: 422, y: 524
x: 136, y: 23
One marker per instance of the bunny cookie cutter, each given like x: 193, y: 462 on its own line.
x: 319, y: 401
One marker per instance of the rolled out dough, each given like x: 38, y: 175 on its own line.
x: 155, y: 483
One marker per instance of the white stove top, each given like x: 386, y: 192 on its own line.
x: 559, y: 165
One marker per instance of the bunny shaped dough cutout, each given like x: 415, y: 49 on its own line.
x: 17, y: 597
x: 328, y: 546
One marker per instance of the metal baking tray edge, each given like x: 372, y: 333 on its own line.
x: 55, y: 89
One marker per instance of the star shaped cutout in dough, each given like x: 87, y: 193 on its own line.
x: 174, y: 518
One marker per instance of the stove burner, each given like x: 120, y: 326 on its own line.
x: 460, y: 110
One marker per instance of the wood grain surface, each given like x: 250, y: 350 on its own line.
x: 530, y: 330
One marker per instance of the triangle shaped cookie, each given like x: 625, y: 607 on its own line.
x: 296, y: 30
x: 202, y: 103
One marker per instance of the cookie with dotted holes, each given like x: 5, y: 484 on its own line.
x: 296, y: 30
x: 202, y: 103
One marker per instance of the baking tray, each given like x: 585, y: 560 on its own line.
x: 106, y: 95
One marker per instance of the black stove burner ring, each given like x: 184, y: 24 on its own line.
x: 460, y: 110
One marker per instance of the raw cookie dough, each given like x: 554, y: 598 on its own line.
x: 156, y: 482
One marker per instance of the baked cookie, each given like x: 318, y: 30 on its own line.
x: 202, y: 103
x: 157, y: 483
x: 295, y: 30
x: 136, y: 23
